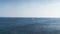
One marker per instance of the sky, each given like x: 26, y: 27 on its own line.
x: 29, y: 8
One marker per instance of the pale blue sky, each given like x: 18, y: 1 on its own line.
x: 30, y: 8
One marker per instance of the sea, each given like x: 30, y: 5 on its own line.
x: 9, y: 25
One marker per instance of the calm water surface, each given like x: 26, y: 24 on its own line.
x: 29, y: 25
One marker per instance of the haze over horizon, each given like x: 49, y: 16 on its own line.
x: 30, y: 8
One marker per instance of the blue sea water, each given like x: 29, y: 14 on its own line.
x: 29, y: 25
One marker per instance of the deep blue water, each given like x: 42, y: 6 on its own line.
x: 29, y: 25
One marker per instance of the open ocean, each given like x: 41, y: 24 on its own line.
x: 29, y: 25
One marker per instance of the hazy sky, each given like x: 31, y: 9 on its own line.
x: 30, y: 8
